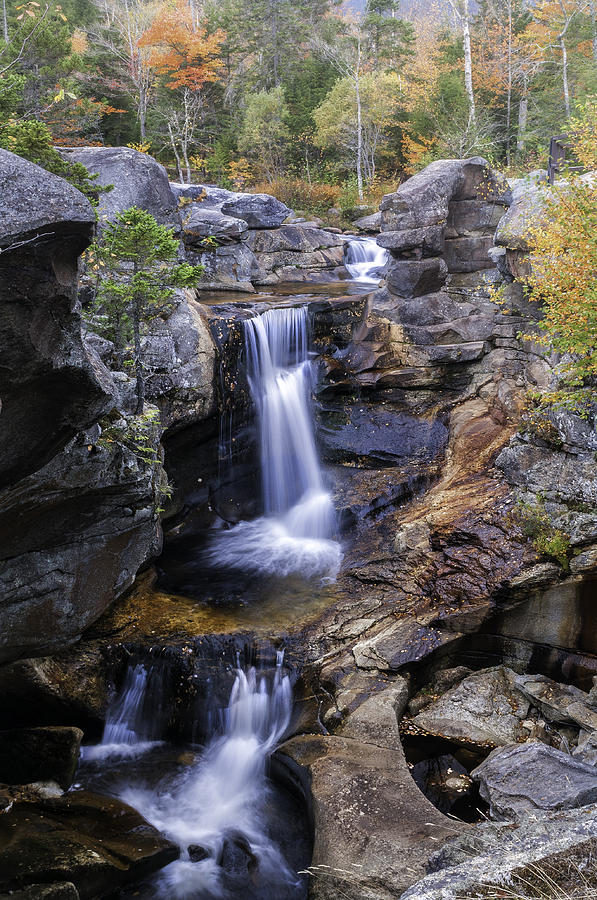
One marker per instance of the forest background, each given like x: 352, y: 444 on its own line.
x: 319, y: 102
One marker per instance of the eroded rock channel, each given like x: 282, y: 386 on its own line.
x: 328, y: 660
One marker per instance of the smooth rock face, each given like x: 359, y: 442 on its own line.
x: 522, y: 779
x: 39, y: 754
x: 73, y: 536
x: 96, y: 843
x: 510, y: 856
x: 138, y: 180
x: 32, y: 199
x: 484, y: 709
x: 50, y: 387
x: 371, y: 820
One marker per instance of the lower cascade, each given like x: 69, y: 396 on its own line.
x: 365, y: 259
x: 295, y: 534
x: 216, y: 808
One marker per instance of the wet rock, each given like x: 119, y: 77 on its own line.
x: 373, y: 436
x: 257, y: 210
x: 445, y: 782
x: 522, y: 779
x: 199, y: 222
x: 360, y: 790
x: 50, y: 388
x: 63, y: 891
x: 70, y: 688
x: 96, y: 843
x: 484, y: 709
x: 137, y: 179
x: 39, y: 754
x: 553, y: 848
x: 236, y: 856
x: 197, y: 853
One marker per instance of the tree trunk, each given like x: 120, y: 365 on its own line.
x: 509, y: 96
x: 468, y: 65
x: 140, y: 381
x: 274, y: 26
x: 562, y: 43
x: 359, y: 127
x: 594, y: 29
x: 5, y: 22
x: 142, y: 110
x: 523, y: 111
x: 176, y: 153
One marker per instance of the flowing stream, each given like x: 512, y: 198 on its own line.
x: 365, y: 260
x: 217, y: 808
x: 295, y: 534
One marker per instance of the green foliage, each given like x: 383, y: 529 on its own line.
x: 32, y: 140
x: 548, y: 541
x: 134, y: 265
x: 265, y: 130
x: 133, y: 432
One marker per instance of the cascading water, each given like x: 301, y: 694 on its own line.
x: 127, y: 731
x: 215, y: 809
x: 365, y: 259
x: 295, y: 533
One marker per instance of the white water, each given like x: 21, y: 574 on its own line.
x: 225, y: 794
x: 125, y: 732
x: 365, y: 260
x: 295, y: 534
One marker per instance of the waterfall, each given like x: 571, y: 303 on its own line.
x: 128, y: 731
x: 365, y: 259
x: 294, y: 536
x: 215, y: 809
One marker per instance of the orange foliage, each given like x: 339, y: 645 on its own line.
x: 179, y: 49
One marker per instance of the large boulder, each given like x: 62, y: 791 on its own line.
x: 553, y: 851
x: 199, y: 222
x: 137, y: 179
x: 39, y: 754
x: 50, y: 387
x: 258, y: 210
x: 484, y: 709
x: 441, y: 220
x: 96, y: 843
x: 526, y: 778
x: 424, y: 199
x: 374, y: 829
